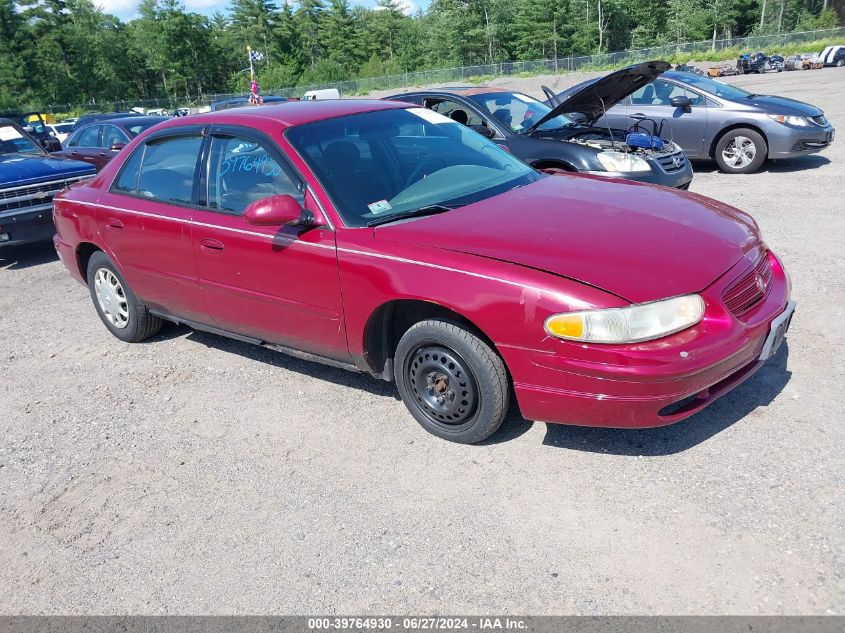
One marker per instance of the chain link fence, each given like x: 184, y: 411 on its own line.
x: 465, y: 73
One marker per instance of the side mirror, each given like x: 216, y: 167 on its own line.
x: 682, y: 102
x: 28, y: 129
x: 280, y: 211
x: 116, y: 147
x: 483, y: 130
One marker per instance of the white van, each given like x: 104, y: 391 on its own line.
x: 326, y: 93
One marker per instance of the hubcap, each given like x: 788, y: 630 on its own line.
x: 111, y: 298
x: 740, y: 152
x: 442, y: 385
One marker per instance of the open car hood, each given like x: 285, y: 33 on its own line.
x: 600, y: 95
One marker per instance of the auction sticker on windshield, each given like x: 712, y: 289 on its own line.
x: 379, y: 206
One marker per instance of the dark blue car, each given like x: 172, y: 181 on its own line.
x: 29, y: 178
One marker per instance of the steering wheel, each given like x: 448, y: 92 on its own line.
x: 421, y: 169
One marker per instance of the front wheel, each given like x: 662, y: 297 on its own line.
x: 453, y: 383
x: 741, y: 151
x: 118, y: 308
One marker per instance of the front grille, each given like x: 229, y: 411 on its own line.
x: 819, y: 120
x: 750, y: 289
x: 672, y: 162
x: 32, y: 196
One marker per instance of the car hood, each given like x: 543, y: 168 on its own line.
x: 598, y: 96
x: 781, y: 105
x: 639, y: 242
x: 21, y: 169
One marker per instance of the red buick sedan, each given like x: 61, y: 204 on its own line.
x: 388, y: 239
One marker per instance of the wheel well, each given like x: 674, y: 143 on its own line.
x: 391, y: 320
x: 552, y: 164
x: 735, y: 126
x: 83, y: 255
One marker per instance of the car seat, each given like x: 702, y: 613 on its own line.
x: 503, y: 115
x: 648, y: 96
x: 460, y: 116
x: 356, y: 187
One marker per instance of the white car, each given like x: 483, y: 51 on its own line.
x: 61, y: 130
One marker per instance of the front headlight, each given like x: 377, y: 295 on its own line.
x: 800, y: 121
x: 620, y: 161
x: 642, y: 322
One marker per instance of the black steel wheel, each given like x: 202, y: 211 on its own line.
x: 443, y: 387
x: 453, y: 383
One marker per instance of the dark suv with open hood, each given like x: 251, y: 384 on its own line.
x: 29, y: 178
x: 567, y: 136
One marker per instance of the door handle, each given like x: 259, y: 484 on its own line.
x: 114, y: 223
x: 210, y: 244
x: 74, y: 153
x: 637, y: 114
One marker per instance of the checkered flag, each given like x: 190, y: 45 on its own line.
x: 255, y: 56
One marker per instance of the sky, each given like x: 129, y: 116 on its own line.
x: 127, y: 9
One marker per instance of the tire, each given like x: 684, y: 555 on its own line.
x: 453, y: 383
x: 840, y: 63
x: 116, y: 304
x: 750, y: 159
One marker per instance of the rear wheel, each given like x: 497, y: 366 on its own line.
x: 741, y: 151
x: 118, y: 308
x: 453, y: 383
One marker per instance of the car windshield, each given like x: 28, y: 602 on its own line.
x: 518, y: 111
x: 395, y: 163
x: 13, y: 141
x: 714, y: 87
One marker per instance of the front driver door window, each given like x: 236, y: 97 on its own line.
x: 687, y: 129
x: 276, y: 283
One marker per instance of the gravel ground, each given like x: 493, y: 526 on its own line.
x: 193, y: 474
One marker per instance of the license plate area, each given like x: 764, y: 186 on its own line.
x: 777, y: 332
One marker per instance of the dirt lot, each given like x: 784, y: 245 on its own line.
x: 194, y: 474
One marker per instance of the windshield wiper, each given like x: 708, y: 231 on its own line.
x: 431, y: 209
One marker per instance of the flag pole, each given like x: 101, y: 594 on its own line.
x: 251, y: 69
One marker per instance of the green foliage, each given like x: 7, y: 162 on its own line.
x: 55, y: 52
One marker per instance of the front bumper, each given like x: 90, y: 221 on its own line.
x: 654, y: 383
x: 27, y: 227
x: 679, y: 179
x: 787, y: 141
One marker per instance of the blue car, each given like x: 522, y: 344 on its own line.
x: 29, y: 178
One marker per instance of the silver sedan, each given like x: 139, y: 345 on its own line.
x: 710, y: 119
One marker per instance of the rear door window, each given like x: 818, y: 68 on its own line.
x: 162, y: 170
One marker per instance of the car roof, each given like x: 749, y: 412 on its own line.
x: 132, y: 120
x: 464, y: 92
x: 289, y: 113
